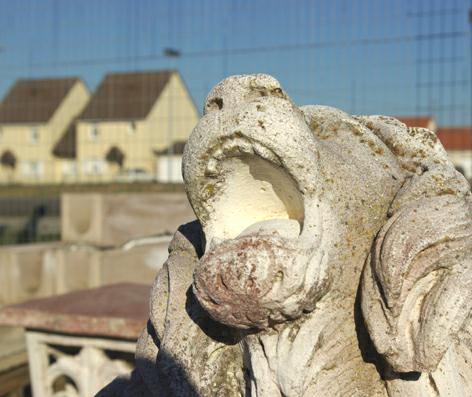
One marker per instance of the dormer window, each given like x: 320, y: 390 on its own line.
x: 34, y: 135
x: 93, y: 133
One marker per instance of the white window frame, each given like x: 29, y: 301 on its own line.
x: 34, y: 135
x: 32, y: 169
x: 93, y: 166
x: 35, y: 168
x: 69, y: 169
x: 132, y: 127
x: 94, y: 133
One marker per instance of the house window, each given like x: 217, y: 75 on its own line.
x: 69, y: 168
x: 93, y: 133
x: 93, y: 166
x: 34, y: 166
x: 132, y: 128
x: 32, y: 169
x: 34, y: 135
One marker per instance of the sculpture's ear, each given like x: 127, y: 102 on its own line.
x: 417, y: 282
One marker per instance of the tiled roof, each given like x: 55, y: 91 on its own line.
x: 415, y: 121
x: 126, y: 96
x: 35, y: 100
x: 66, y: 145
x: 455, y: 138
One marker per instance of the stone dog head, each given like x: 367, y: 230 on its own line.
x: 296, y: 202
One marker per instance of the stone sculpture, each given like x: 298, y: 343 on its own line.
x: 332, y: 256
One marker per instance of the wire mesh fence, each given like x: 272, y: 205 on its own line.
x: 102, y: 95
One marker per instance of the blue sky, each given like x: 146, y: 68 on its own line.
x: 364, y: 56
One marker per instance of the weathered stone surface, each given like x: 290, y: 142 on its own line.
x: 13, y: 361
x: 26, y: 272
x: 113, y: 219
x: 74, y: 267
x: 12, y: 348
x: 31, y: 271
x: 118, y: 310
x: 134, y: 263
x: 84, y: 266
x: 332, y: 257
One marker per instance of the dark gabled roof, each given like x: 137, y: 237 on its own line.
x: 456, y: 138
x: 126, y: 96
x: 66, y: 147
x: 35, y: 100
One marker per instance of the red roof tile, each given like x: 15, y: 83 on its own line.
x: 456, y: 138
x: 415, y: 121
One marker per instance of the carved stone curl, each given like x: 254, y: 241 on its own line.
x: 332, y: 257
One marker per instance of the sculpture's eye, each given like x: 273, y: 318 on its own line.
x: 214, y: 104
x: 277, y: 92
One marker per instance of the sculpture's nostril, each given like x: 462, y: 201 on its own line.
x: 215, y: 104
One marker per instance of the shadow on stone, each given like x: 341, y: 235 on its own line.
x: 135, y: 386
x: 367, y: 349
x: 214, y: 330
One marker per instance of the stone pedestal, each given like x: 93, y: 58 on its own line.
x: 26, y: 273
x: 113, y: 219
x: 13, y: 362
x: 78, y: 342
x: 33, y: 271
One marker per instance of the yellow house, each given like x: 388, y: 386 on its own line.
x: 131, y: 118
x: 34, y: 116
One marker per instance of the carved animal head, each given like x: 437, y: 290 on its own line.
x: 291, y: 200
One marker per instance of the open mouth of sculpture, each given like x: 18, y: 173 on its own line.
x: 251, y: 273
x: 254, y: 193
